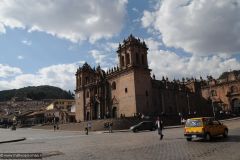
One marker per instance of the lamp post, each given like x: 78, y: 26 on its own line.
x: 213, y: 108
x: 211, y: 95
x: 189, y: 112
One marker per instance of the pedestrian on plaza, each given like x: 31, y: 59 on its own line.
x: 86, y: 130
x: 183, y: 121
x: 89, y: 126
x: 159, y: 124
x: 54, y: 123
x: 110, y: 127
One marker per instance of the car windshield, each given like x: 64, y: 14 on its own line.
x: 194, y: 123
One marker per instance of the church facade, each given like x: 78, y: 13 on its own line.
x: 129, y: 89
x: 224, y: 92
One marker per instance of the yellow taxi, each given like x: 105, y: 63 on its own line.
x: 204, y: 127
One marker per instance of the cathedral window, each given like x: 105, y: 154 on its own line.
x: 122, y: 61
x: 86, y: 80
x: 213, y: 93
x: 127, y: 59
x: 233, y: 89
x: 137, y: 58
x: 143, y: 59
x: 113, y: 85
x: 126, y: 90
x: 87, y: 94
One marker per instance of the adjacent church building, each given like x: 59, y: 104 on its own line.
x: 129, y: 89
x: 224, y: 92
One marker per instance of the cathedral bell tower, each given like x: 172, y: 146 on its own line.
x: 132, y: 53
x: 132, y: 56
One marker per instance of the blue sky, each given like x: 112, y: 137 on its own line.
x: 44, y: 42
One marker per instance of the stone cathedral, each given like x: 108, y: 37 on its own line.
x: 129, y: 89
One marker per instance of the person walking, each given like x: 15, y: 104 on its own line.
x: 86, y: 130
x: 89, y: 125
x: 110, y: 127
x: 159, y: 124
x: 54, y: 127
x: 54, y: 123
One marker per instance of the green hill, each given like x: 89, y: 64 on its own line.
x: 36, y: 93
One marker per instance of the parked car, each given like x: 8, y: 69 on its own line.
x: 145, y: 125
x: 204, y: 127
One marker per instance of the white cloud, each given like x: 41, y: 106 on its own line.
x: 148, y: 18
x: 167, y: 63
x: 73, y: 20
x: 111, y: 46
x: 20, y: 57
x: 135, y: 9
x: 62, y: 75
x: 98, y: 56
x: 2, y: 28
x: 105, y: 54
x: 200, y: 27
x: 26, y: 42
x: 8, y: 71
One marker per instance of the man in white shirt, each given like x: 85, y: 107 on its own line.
x: 159, y: 124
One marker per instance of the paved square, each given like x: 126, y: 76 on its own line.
x: 124, y: 145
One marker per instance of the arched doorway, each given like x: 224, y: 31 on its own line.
x: 88, y: 116
x: 114, y: 108
x: 114, y: 112
x: 236, y: 105
x: 97, y: 111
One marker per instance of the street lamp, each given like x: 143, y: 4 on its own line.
x: 211, y: 95
x: 213, y: 108
x: 189, y: 112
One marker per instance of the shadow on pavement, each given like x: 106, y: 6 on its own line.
x: 230, y: 138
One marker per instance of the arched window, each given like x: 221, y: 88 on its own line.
x: 87, y: 94
x: 86, y: 80
x: 122, y: 61
x: 143, y: 59
x: 137, y: 58
x: 127, y: 59
x: 234, y: 89
x: 213, y: 93
x: 113, y: 85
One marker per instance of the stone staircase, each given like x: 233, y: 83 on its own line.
x: 97, y: 125
x: 118, y: 124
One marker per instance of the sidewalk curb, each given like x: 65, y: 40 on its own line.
x: 171, y: 127
x: 14, y: 140
x: 231, y: 119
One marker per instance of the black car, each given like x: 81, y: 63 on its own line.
x: 145, y: 125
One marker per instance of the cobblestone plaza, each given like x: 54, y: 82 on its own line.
x: 123, y: 145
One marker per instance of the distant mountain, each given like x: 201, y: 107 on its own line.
x: 36, y: 93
